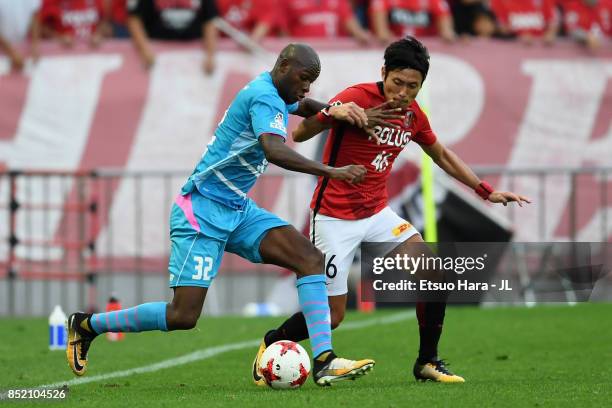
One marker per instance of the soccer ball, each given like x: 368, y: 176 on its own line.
x: 285, y: 364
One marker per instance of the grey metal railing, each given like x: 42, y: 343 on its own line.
x: 92, y: 232
x: 582, y: 184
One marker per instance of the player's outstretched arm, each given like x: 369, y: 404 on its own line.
x: 348, y: 112
x: 352, y: 113
x: 309, y: 107
x: 278, y: 153
x: 452, y: 164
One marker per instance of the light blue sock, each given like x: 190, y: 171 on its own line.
x: 145, y: 317
x: 312, y: 295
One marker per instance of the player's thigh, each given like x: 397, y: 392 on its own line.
x: 416, y: 247
x: 387, y: 226
x: 196, y: 250
x: 187, y: 300
x: 338, y: 240
x: 256, y: 223
x: 287, y: 247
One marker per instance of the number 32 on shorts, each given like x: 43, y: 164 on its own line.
x: 203, y: 267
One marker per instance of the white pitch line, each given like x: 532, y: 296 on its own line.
x: 214, y: 351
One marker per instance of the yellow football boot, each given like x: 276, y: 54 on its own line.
x: 258, y: 379
x: 340, y: 369
x: 80, y: 336
x: 435, y: 371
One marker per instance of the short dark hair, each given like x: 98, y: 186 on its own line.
x: 407, y: 53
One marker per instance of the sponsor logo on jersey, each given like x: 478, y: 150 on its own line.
x: 76, y: 18
x: 279, y: 123
x: 527, y: 21
x: 409, y: 18
x: 178, y: 4
x: 177, y: 14
x: 400, y: 229
x: 391, y: 136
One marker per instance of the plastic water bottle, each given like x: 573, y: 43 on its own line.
x: 57, y: 329
x: 112, y: 306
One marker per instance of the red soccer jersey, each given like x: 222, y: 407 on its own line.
x: 597, y: 18
x: 350, y: 145
x: 246, y: 14
x: 77, y: 18
x: 118, y: 11
x: 412, y: 17
x: 525, y: 16
x: 316, y: 18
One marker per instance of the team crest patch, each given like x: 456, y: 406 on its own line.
x: 400, y: 229
x: 408, y: 119
x: 279, y: 122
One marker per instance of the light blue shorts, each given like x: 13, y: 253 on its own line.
x: 201, y: 229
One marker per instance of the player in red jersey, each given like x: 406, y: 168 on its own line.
x: 345, y: 215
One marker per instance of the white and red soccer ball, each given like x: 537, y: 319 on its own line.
x: 284, y: 365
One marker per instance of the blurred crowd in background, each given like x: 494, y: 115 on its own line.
x: 369, y: 22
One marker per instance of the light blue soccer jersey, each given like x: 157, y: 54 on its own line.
x: 234, y: 158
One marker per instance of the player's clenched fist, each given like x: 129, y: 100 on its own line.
x: 352, y: 173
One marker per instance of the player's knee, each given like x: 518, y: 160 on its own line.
x: 186, y: 322
x: 313, y: 262
x: 182, y: 320
x: 336, y: 319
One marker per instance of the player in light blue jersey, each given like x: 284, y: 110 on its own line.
x: 213, y: 214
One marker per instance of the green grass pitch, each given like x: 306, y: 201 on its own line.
x: 555, y: 356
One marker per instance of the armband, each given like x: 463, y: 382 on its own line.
x: 484, y: 190
x: 323, y: 115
